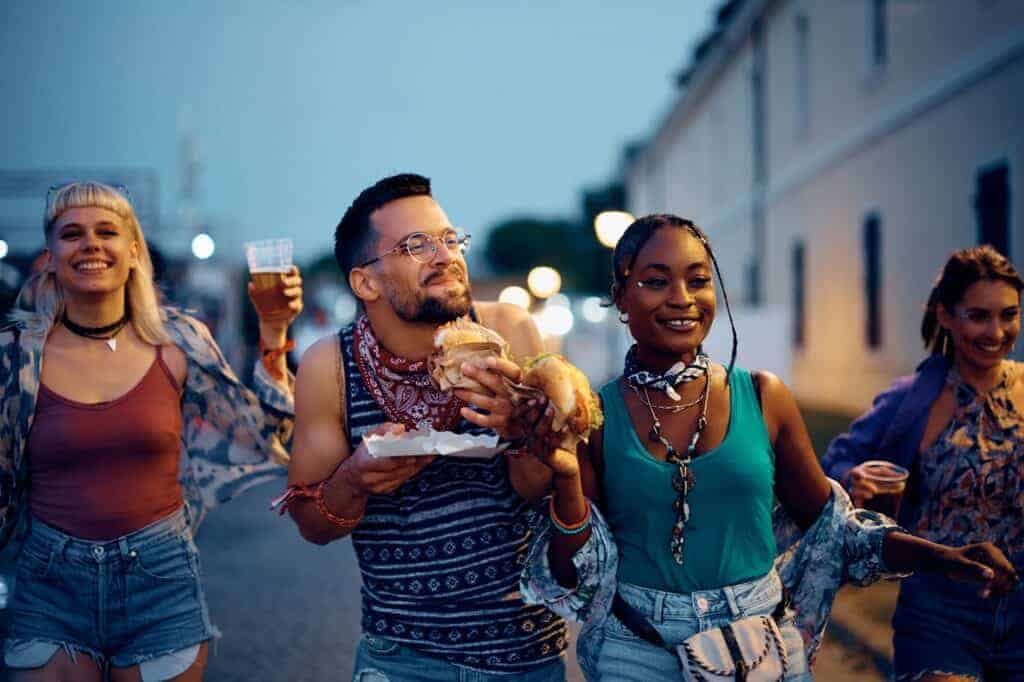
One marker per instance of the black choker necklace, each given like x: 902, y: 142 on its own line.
x: 105, y: 333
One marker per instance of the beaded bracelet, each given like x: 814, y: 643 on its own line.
x: 315, y: 492
x: 568, y: 528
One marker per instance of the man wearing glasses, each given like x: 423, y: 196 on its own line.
x: 439, y: 541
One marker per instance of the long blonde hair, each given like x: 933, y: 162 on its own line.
x: 40, y: 302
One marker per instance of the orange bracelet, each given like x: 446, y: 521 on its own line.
x: 568, y: 528
x: 315, y: 492
x: 270, y: 356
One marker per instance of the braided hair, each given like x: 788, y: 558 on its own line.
x: 636, y: 237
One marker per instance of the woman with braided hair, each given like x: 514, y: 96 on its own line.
x: 685, y: 471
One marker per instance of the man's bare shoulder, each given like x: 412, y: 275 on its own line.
x: 323, y: 350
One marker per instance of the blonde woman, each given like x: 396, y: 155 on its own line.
x: 122, y: 424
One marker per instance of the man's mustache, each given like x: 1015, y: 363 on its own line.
x: 454, y: 270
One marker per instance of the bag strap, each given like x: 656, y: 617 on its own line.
x: 734, y: 650
x: 636, y: 623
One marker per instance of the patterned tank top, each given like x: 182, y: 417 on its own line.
x: 441, y: 555
x: 972, y: 478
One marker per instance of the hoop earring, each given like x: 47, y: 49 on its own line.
x: 624, y: 318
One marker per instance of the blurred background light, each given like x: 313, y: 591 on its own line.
x: 544, y: 282
x: 609, y: 226
x: 593, y: 311
x: 554, y: 320
x: 344, y: 307
x: 3, y: 249
x: 203, y: 246
x: 516, y: 296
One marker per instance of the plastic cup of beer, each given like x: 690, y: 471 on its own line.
x: 269, y: 261
x: 891, y: 481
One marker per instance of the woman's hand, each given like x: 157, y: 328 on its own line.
x: 982, y: 563
x: 860, y: 486
x: 274, y: 322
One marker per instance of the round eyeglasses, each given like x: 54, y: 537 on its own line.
x: 422, y: 247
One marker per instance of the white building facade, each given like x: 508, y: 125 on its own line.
x: 836, y: 151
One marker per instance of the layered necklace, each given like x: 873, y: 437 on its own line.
x: 641, y: 382
x: 106, y: 333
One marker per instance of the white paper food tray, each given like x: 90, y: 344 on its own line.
x: 430, y: 442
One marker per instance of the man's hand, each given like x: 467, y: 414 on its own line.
x: 368, y: 475
x: 496, y: 400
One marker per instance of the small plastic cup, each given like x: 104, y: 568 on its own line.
x: 269, y: 261
x: 891, y: 481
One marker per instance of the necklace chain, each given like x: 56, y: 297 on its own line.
x: 683, y: 479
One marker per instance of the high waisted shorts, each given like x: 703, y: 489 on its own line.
x: 134, y: 600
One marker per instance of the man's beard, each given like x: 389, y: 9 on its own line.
x: 418, y: 307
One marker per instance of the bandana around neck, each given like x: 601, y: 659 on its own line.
x: 402, y: 387
x: 679, y: 373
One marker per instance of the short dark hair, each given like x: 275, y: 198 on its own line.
x: 964, y: 268
x: 355, y: 238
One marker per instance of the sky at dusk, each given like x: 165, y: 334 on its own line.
x: 296, y: 105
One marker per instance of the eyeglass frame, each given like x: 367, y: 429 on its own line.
x: 434, y: 240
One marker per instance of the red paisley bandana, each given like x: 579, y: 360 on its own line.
x: 401, y: 387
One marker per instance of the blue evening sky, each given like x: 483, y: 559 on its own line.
x: 510, y: 107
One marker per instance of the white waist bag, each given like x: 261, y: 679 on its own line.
x: 747, y: 650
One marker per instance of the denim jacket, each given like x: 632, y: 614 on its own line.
x: 231, y: 438
x: 843, y: 545
x: 892, y: 429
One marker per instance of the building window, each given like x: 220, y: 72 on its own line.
x: 878, y: 34
x: 992, y: 207
x: 799, y: 271
x: 873, y: 279
x: 803, y: 81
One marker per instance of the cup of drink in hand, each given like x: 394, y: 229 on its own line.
x: 269, y: 261
x: 890, y: 480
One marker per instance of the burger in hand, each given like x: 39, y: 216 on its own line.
x: 577, y: 410
x: 458, y: 342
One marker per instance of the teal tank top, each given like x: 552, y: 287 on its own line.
x: 729, y: 537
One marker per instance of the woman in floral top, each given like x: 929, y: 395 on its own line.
x: 958, y: 426
x: 122, y: 424
x: 685, y: 470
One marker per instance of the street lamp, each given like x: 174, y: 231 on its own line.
x: 609, y: 226
x: 516, y: 296
x: 544, y: 281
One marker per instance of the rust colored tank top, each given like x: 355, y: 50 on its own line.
x: 103, y: 470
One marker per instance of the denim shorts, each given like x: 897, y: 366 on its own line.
x: 135, y: 600
x: 942, y: 626
x: 625, y: 656
x: 384, y: 660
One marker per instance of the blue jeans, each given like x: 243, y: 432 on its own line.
x: 624, y: 656
x: 944, y: 626
x: 382, y: 660
x: 124, y: 602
